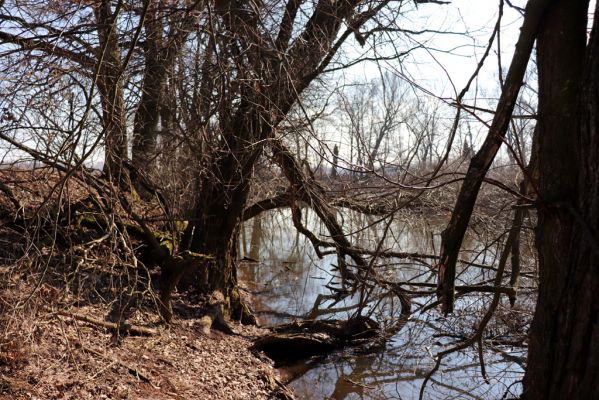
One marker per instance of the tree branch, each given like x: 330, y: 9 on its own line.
x: 453, y: 235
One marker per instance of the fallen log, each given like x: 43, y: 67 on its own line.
x: 121, y: 328
x: 303, y: 339
x: 284, y: 348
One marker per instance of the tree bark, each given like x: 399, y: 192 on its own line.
x: 160, y: 54
x: 563, y: 360
x: 453, y: 235
x: 110, y: 87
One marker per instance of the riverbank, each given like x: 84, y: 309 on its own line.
x: 46, y: 355
x: 62, y: 281
x: 63, y: 287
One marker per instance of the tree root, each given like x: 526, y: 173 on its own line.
x: 121, y: 328
x: 215, y: 314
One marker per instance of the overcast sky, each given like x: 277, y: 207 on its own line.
x: 447, y: 60
x: 452, y: 58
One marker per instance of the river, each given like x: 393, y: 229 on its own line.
x: 289, y: 276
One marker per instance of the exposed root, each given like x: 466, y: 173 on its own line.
x: 119, y: 328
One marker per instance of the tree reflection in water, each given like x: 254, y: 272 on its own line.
x: 289, y: 277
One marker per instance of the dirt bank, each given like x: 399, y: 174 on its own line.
x: 58, y: 357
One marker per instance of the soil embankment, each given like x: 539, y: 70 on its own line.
x: 57, y: 357
x: 65, y: 284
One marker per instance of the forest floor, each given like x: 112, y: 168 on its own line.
x: 59, y: 357
x: 60, y: 285
x: 62, y: 358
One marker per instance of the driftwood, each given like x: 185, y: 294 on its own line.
x: 303, y: 339
x: 121, y: 328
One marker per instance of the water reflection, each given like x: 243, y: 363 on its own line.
x: 289, y: 277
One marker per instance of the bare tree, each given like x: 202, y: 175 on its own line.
x: 563, y: 335
x: 373, y: 115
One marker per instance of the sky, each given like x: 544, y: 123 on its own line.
x: 449, y: 55
x: 450, y: 59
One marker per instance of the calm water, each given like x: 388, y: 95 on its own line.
x: 289, y: 276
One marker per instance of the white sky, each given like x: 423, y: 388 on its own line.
x: 449, y: 60
x: 453, y: 58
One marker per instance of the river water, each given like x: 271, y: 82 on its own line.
x: 289, y: 276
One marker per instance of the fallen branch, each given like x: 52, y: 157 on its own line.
x: 305, y: 188
x: 113, y: 326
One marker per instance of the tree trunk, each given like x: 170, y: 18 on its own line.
x: 110, y: 87
x: 160, y: 54
x: 453, y: 235
x: 563, y: 360
x: 218, y: 212
x: 145, y: 128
